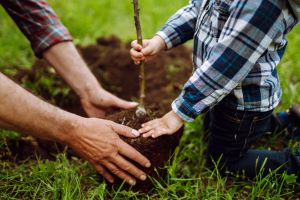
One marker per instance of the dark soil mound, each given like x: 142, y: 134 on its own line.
x: 158, y: 150
x: 110, y: 61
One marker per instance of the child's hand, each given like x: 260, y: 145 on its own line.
x: 150, y: 49
x: 167, y: 125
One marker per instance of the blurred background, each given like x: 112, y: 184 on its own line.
x: 87, y: 20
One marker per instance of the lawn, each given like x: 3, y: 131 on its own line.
x: 188, y: 177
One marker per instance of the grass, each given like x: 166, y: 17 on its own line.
x: 188, y: 177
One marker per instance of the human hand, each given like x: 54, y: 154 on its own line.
x: 167, y: 125
x: 97, y: 141
x: 150, y: 49
x: 98, y: 101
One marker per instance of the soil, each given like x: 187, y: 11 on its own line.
x: 158, y: 150
x: 110, y: 62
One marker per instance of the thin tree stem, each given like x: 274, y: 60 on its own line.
x: 140, y: 41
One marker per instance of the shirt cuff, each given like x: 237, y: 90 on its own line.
x: 170, y: 36
x: 183, y: 110
x: 48, y: 37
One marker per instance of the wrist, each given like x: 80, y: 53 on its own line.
x: 66, y: 129
x: 175, y: 117
x: 160, y: 43
x: 87, y: 90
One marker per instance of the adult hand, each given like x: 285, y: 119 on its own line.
x: 97, y: 141
x: 69, y: 64
x: 149, y: 50
x: 98, y: 101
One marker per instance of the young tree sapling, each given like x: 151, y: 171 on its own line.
x: 141, y: 111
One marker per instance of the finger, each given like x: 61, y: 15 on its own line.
x: 120, y: 103
x: 159, y: 132
x: 148, y: 51
x: 101, y: 170
x: 135, y: 59
x: 145, y: 129
x: 124, y: 130
x: 136, y: 46
x: 120, y: 173
x: 148, y: 134
x: 131, y: 153
x: 130, y: 168
x: 136, y: 55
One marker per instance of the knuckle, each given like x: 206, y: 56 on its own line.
x: 117, y: 172
x: 98, y: 159
x: 127, y: 168
x: 100, y: 170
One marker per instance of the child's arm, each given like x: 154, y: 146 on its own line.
x: 167, y: 125
x: 251, y: 28
x: 179, y: 28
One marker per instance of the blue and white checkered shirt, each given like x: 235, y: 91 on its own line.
x: 237, y: 47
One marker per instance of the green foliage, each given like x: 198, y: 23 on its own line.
x: 61, y: 179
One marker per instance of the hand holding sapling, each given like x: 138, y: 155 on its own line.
x: 167, y: 125
x: 69, y: 64
x: 98, y: 101
x: 150, y: 49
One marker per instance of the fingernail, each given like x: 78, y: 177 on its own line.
x: 135, y: 132
x: 134, y: 104
x: 143, y: 177
x: 148, y: 165
x: 143, y: 125
x: 132, y: 182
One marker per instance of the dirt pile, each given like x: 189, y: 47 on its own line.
x: 158, y: 150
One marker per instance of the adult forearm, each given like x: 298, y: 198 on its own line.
x: 20, y: 110
x: 93, y: 139
x: 65, y: 58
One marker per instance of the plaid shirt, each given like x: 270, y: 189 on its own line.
x: 237, y: 47
x: 38, y: 22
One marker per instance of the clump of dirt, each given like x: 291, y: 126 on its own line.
x: 110, y: 62
x: 157, y: 150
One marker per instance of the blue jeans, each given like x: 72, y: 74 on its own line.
x: 231, y: 134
